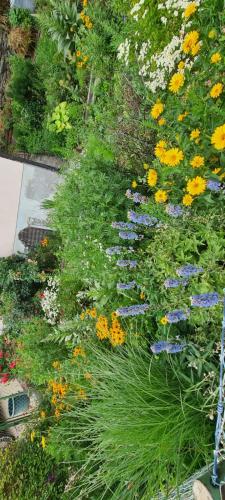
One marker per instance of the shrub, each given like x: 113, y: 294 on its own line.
x: 19, y: 40
x: 19, y: 17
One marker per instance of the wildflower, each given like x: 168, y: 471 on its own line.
x: 216, y: 90
x: 116, y: 333
x: 215, y: 58
x: 127, y: 263
x: 162, y: 122
x: 195, y: 134
x: 152, y: 177
x: 78, y: 351
x: 123, y: 225
x: 159, y: 346
x: 93, y: 312
x: 56, y: 365
x: 160, y: 149
x: 12, y: 365
x: 113, y: 250
x: 161, y: 196
x: 218, y: 137
x: 181, y: 65
x: 44, y: 242
x: 4, y: 378
x: 216, y: 170
x: 126, y: 286
x: 174, y: 283
x: 78, y: 53
x: 213, y: 185
x: 54, y: 400
x: 102, y: 329
x: 82, y: 316
x: 32, y: 436
x: 189, y: 270
x: 181, y: 117
x: 142, y: 295
x: 196, y: 186
x: 197, y: 162
x: 57, y: 413
x: 187, y: 200
x: 136, y: 197
x: 42, y: 415
x: 176, y: 82
x: 190, y: 43
x: 125, y: 235
x: 157, y: 110
x: 146, y: 166
x: 174, y: 210
x: 177, y: 315
x: 132, y: 310
x: 144, y: 219
x: 173, y: 157
x: 205, y: 299
x: 175, y: 348
x: 134, y: 184
x: 190, y: 9
x: 166, y: 346
x: 43, y: 442
x: 164, y: 320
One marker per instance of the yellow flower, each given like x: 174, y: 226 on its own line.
x: 85, y: 59
x: 164, y: 320
x: 134, y: 184
x: 195, y: 49
x: 43, y: 442
x: 212, y: 34
x: 181, y: 65
x: 146, y: 166
x: 187, y: 200
x: 181, y: 117
x: 152, y: 177
x: 216, y: 90
x: 142, y: 295
x: 78, y: 351
x: 44, y: 242
x: 216, y: 170
x: 218, y: 137
x: 195, y: 134
x: 215, y: 58
x: 161, y: 196
x: 78, y: 53
x: 32, y: 436
x: 54, y: 400
x: 196, y: 186
x: 57, y: 413
x: 80, y: 64
x: 157, y: 110
x: 173, y: 157
x: 56, y: 365
x: 190, y: 9
x: 161, y: 122
x: 190, y: 42
x: 42, y: 415
x: 160, y: 149
x: 198, y: 161
x: 176, y: 82
x: 82, y: 316
x: 102, y: 329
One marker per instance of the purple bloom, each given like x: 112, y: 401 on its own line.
x: 136, y: 197
x: 189, y: 270
x: 214, y: 185
x: 126, y: 286
x: 205, y: 299
x: 144, y: 219
x: 166, y: 346
x: 173, y: 283
x: 127, y: 263
x: 132, y: 310
x: 126, y: 235
x: 114, y: 250
x: 177, y: 315
x: 123, y: 225
x: 174, y: 210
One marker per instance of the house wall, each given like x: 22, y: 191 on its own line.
x: 11, y: 173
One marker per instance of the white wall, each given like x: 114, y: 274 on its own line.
x: 10, y: 184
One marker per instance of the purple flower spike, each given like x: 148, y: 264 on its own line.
x: 173, y: 283
x: 132, y: 310
x: 166, y: 346
x: 127, y: 263
x: 174, y: 210
x: 177, y: 315
x: 144, y: 219
x: 214, y: 185
x: 175, y: 348
x: 205, y: 299
x: 126, y: 235
x: 189, y: 270
x: 159, y: 346
x: 136, y: 197
x: 113, y: 250
x: 126, y: 286
x: 123, y: 225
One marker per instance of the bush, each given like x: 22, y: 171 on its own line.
x: 19, y: 40
x: 20, y: 18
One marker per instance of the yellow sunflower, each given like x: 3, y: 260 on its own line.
x: 196, y: 186
x: 173, y: 157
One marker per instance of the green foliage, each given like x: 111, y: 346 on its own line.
x: 59, y: 121
x: 26, y: 471
x: 20, y: 18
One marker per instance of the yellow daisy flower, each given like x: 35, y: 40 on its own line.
x: 195, y: 134
x: 190, y: 41
x: 187, y: 200
x: 215, y: 58
x: 173, y: 157
x: 161, y: 122
x: 161, y: 196
x: 216, y: 170
x: 134, y: 184
x: 218, y: 137
x: 216, y: 90
x: 176, y: 82
x: 152, y: 177
x: 181, y: 65
x: 190, y: 9
x: 196, y: 186
x: 197, y: 162
x: 164, y: 320
x: 157, y: 110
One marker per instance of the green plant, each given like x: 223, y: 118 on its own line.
x: 19, y: 40
x: 19, y: 17
x: 59, y: 121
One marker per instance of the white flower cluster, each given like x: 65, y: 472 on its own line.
x: 176, y: 5
x: 136, y: 8
x: 49, y: 302
x: 165, y: 63
x: 143, y: 51
x: 124, y: 51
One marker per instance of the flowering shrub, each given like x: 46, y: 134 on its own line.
x: 49, y: 301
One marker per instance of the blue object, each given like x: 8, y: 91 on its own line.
x: 18, y: 404
x: 23, y: 4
